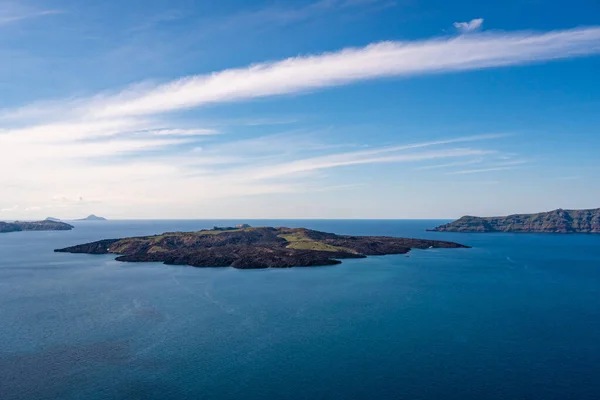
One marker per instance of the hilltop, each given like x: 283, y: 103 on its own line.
x: 92, y: 217
x: 557, y: 221
x: 248, y: 248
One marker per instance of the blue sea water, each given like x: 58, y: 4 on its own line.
x: 515, y: 317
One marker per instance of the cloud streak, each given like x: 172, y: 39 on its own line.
x: 450, y: 165
x: 277, y: 15
x: 341, y: 160
x: 478, y: 171
x: 347, y: 66
x: 491, y: 167
x: 128, y: 141
x: 13, y: 12
x: 220, y: 170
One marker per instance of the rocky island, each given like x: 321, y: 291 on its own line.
x: 92, y: 217
x: 250, y: 248
x: 557, y: 221
x: 46, y: 225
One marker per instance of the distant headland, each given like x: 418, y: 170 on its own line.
x: 251, y: 248
x: 46, y: 225
x: 557, y: 221
x: 92, y: 217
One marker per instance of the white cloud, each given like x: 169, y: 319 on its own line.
x: 250, y: 167
x: 471, y: 26
x: 72, y: 146
x: 304, y: 73
x: 350, y: 65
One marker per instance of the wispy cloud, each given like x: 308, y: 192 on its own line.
x: 160, y: 158
x: 180, y: 132
x: 220, y: 170
x: 386, y: 59
x: 477, y: 171
x: 357, y: 158
x: 471, y: 26
x: 491, y: 167
x: 279, y: 14
x: 450, y: 165
x: 347, y: 66
x: 11, y: 12
x: 7, y: 210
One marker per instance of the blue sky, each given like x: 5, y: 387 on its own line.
x: 298, y: 109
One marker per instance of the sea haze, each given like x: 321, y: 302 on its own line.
x: 515, y: 317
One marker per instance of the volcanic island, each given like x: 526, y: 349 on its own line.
x: 247, y: 247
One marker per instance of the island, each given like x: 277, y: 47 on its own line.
x: 557, y: 221
x: 92, y: 217
x: 52, y: 219
x: 252, y: 248
x: 46, y: 225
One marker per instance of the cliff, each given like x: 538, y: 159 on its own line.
x: 249, y: 248
x: 557, y: 221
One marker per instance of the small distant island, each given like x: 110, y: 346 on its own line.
x: 557, y: 221
x: 92, y: 217
x: 46, y: 225
x: 52, y: 219
x: 251, y: 248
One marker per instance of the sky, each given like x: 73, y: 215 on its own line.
x: 298, y: 109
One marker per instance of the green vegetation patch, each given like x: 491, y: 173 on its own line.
x: 316, y: 246
x: 157, y: 249
x: 295, y: 237
x: 299, y: 241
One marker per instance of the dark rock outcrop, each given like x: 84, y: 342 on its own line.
x: 99, y: 247
x: 251, y: 248
x: 557, y: 221
x: 47, y: 225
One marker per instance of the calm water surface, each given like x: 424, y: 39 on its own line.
x: 515, y: 317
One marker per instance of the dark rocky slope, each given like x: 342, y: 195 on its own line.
x: 253, y: 247
x: 47, y: 225
x: 557, y: 221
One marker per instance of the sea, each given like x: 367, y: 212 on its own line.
x: 515, y: 317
